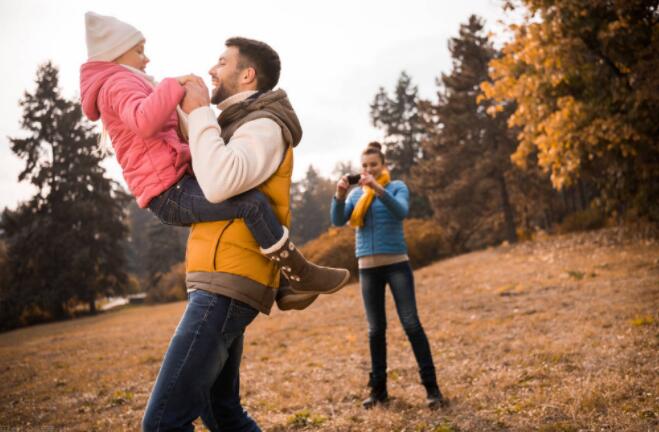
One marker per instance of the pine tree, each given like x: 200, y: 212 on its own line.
x: 466, y: 167
x: 64, y: 244
x: 310, y: 202
x: 165, y: 248
x: 399, y: 119
x: 152, y: 247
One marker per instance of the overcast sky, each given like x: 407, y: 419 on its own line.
x: 335, y: 55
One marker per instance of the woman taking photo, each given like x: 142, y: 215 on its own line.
x: 376, y: 210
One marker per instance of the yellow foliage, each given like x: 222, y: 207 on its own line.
x: 537, y: 71
x: 170, y: 287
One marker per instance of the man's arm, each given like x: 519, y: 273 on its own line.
x: 251, y: 156
x: 224, y: 170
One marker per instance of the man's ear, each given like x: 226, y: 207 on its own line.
x: 249, y: 75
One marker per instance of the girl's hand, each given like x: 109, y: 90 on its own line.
x: 184, y: 79
x: 342, y: 188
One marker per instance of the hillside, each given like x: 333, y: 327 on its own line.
x: 559, y: 334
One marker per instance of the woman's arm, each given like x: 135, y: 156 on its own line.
x: 397, y: 202
x: 340, y: 211
x: 143, y: 113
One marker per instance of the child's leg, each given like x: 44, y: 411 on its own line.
x: 185, y: 204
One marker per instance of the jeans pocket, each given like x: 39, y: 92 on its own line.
x: 200, y: 297
x: 239, y: 316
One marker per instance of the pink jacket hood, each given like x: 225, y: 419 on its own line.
x: 93, y: 76
x: 140, y: 119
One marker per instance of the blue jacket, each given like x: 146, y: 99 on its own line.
x: 382, y: 232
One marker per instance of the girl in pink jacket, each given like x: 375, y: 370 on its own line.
x: 141, y: 119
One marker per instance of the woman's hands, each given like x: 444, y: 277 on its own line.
x: 369, y: 180
x: 342, y: 188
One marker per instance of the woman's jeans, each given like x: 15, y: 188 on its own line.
x: 200, y: 375
x: 401, y: 281
x: 184, y: 204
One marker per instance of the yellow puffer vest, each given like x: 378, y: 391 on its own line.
x: 223, y: 256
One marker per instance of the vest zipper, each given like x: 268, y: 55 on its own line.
x: 217, y: 245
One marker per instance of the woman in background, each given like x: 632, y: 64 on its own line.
x: 376, y: 210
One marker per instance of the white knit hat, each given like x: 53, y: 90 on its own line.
x: 108, y: 38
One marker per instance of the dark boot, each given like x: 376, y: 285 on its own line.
x: 434, y: 398
x: 378, y: 392
x: 304, y: 276
x: 287, y: 299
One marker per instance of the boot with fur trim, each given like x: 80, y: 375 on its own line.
x: 304, y: 276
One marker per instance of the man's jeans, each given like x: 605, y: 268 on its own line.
x: 401, y: 281
x: 200, y: 375
x: 184, y: 204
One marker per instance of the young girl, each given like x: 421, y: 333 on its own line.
x: 141, y: 119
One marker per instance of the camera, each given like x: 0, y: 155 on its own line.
x: 354, y: 178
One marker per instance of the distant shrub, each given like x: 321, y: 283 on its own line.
x: 426, y: 241
x: 336, y: 247
x: 170, y: 287
x: 584, y: 220
x: 133, y: 286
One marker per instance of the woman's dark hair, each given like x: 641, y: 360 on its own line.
x: 374, y: 147
x: 261, y: 57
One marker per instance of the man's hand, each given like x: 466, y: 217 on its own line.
x: 196, y: 95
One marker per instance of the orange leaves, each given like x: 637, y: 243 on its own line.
x: 567, y: 110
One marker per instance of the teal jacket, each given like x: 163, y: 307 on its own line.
x: 382, y: 232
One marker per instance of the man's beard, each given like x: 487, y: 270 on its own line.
x: 219, y: 94
x: 224, y: 90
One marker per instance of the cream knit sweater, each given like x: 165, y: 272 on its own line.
x: 251, y: 156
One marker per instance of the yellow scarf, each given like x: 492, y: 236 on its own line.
x: 357, y: 217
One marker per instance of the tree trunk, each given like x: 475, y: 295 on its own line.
x: 583, y: 201
x: 92, y: 306
x: 509, y: 219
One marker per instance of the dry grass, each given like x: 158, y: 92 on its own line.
x: 555, y: 335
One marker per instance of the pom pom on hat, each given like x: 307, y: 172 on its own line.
x: 108, y: 38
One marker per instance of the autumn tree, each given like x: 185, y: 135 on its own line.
x: 64, y: 244
x: 466, y: 170
x: 583, y: 77
x: 398, y: 117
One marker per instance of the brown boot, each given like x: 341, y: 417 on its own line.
x: 289, y: 300
x: 304, y: 276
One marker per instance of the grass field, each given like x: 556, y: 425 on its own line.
x: 559, y: 334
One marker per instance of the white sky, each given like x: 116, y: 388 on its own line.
x: 335, y: 55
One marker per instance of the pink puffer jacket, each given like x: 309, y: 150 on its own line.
x: 142, y: 123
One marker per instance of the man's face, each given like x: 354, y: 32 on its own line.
x: 225, y: 75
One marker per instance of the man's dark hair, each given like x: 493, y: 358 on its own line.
x: 261, y: 57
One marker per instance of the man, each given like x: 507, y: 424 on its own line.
x: 228, y: 277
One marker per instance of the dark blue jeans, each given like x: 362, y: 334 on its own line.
x: 184, y: 204
x: 401, y: 281
x: 200, y: 375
